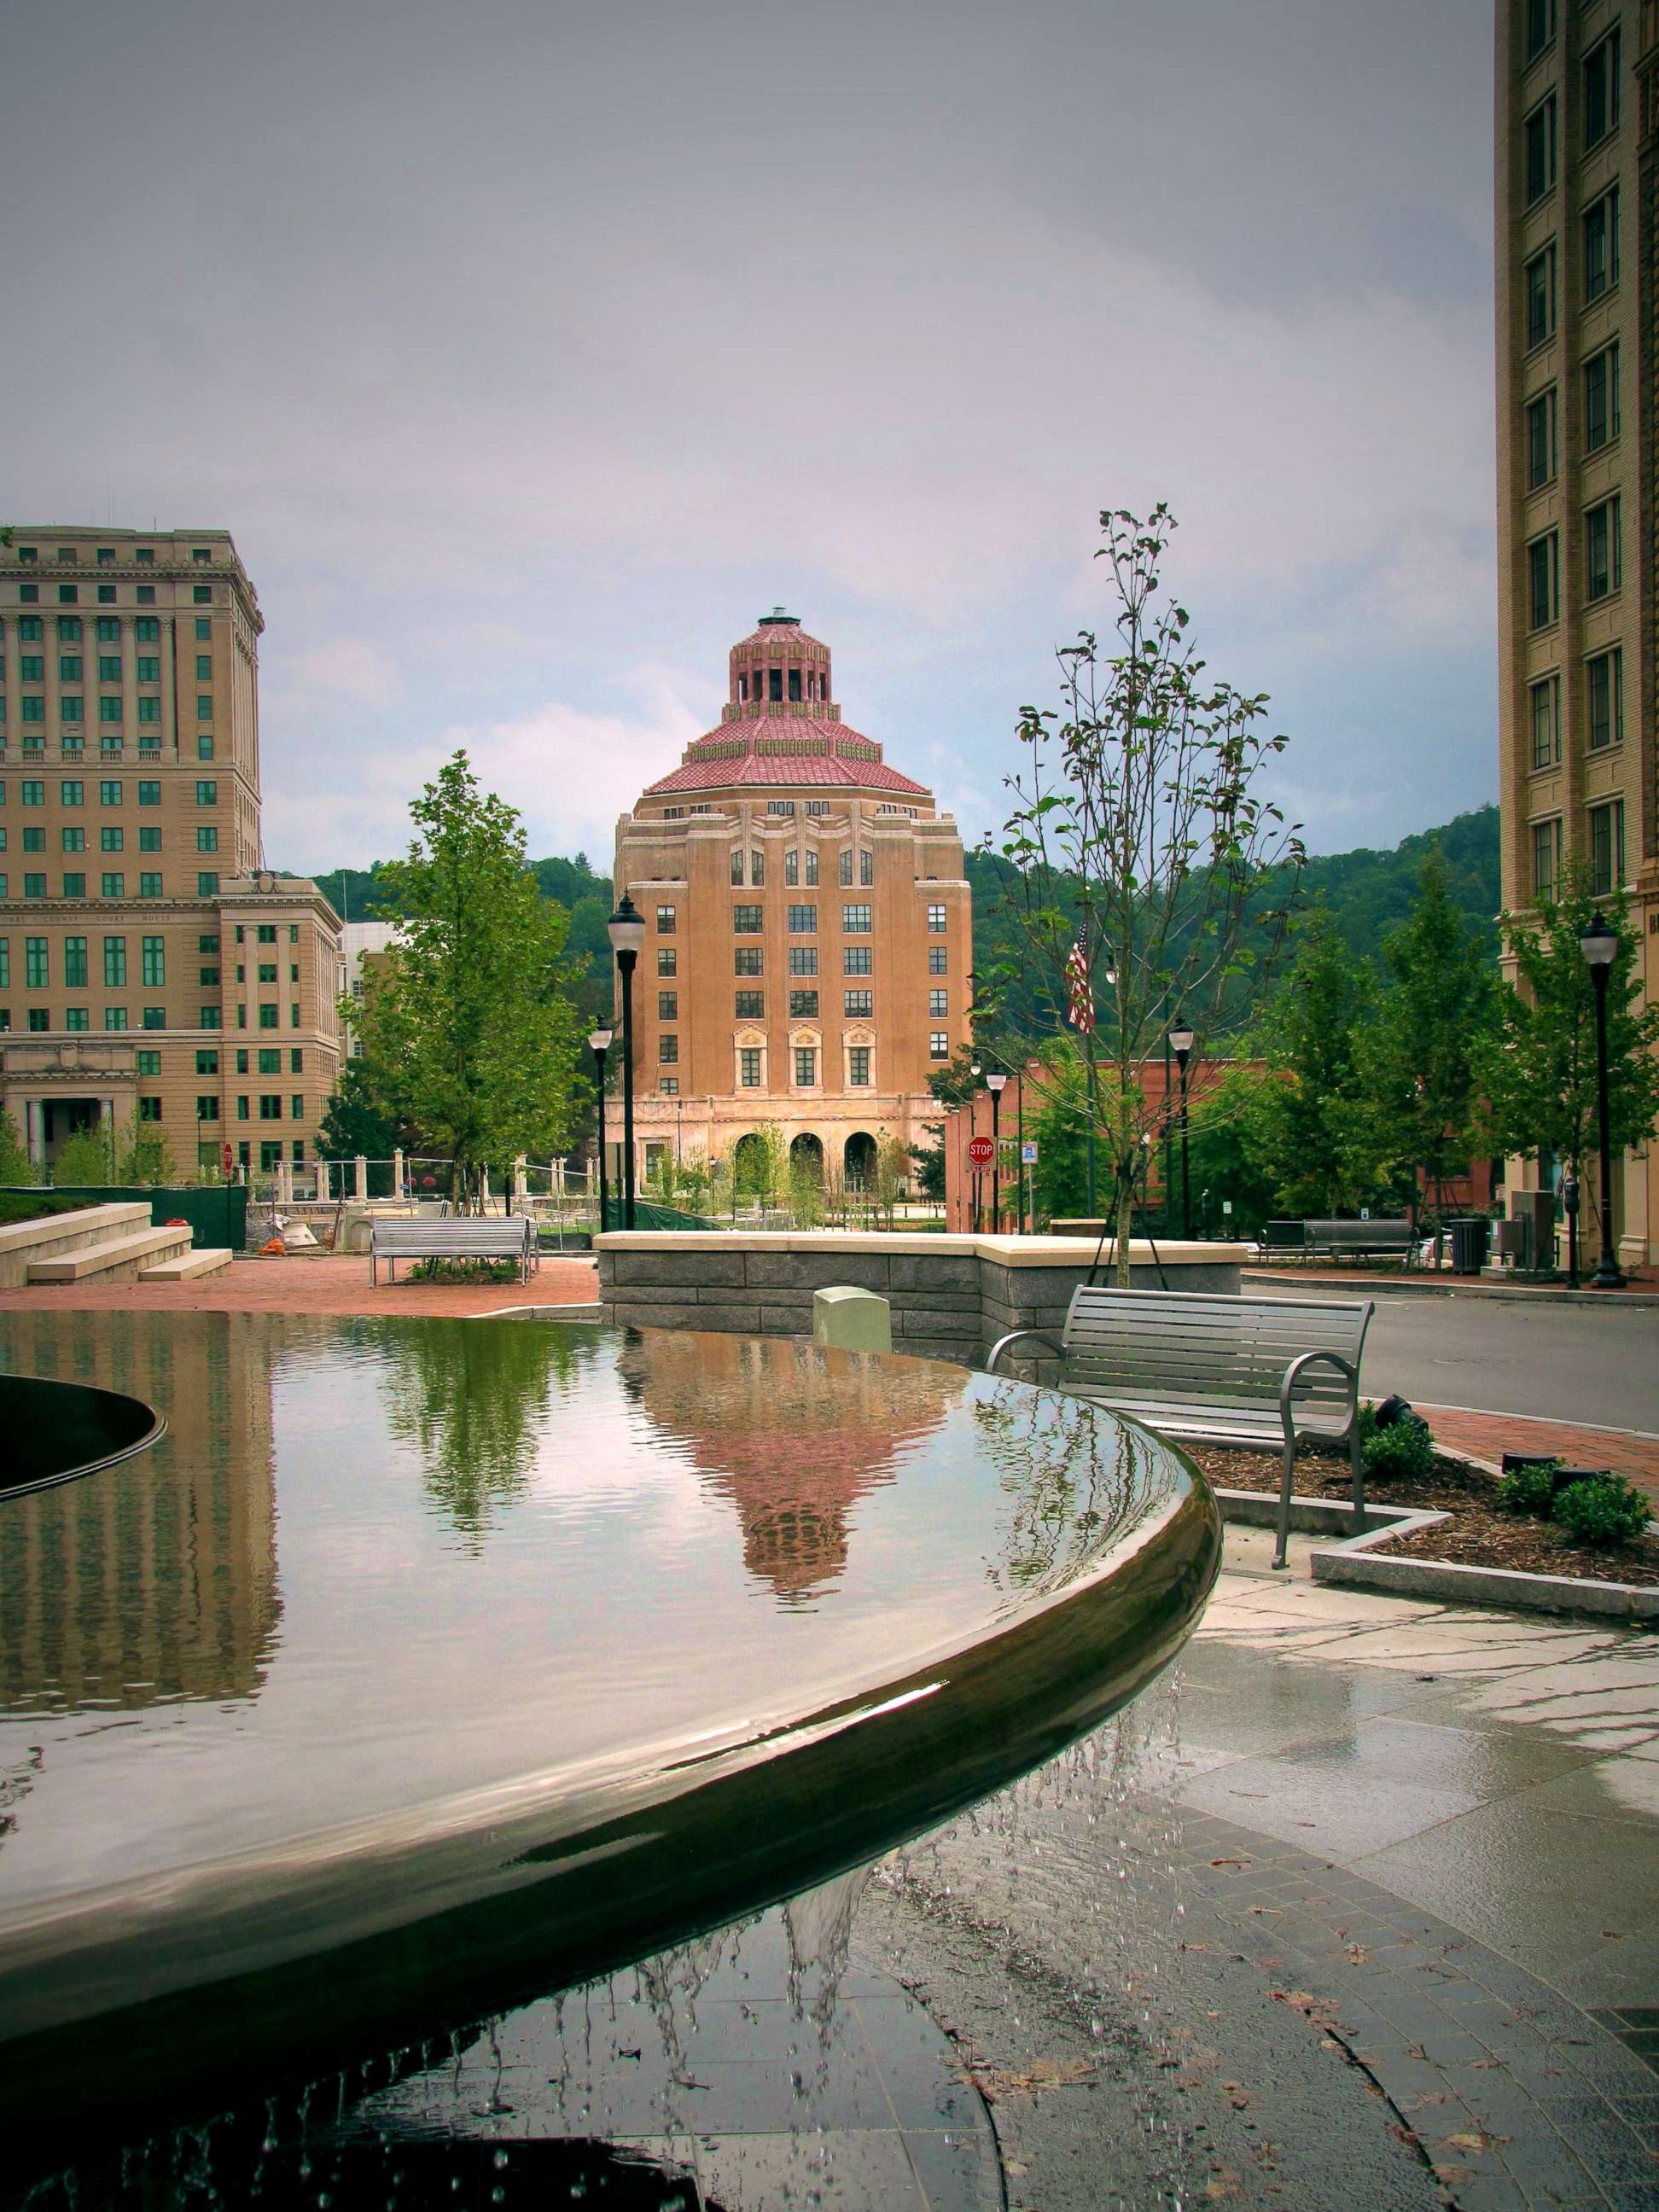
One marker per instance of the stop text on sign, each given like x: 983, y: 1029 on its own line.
x: 981, y: 1151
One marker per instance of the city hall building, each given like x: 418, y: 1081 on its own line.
x: 808, y: 928
x: 151, y: 969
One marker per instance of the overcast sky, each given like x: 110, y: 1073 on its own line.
x: 530, y: 351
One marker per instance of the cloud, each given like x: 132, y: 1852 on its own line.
x: 570, y: 773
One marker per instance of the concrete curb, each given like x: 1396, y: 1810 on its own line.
x: 1355, y: 1563
x: 592, y: 1311
x: 1459, y: 1286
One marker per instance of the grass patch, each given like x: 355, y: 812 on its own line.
x: 36, y: 1205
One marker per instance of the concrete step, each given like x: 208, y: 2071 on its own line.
x: 118, y: 1260
x: 205, y: 1260
x: 53, y: 1234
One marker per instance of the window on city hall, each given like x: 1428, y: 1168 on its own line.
x: 856, y: 918
x: 803, y: 1005
x: 939, y: 1004
x: 858, y: 1006
x: 938, y: 960
x: 749, y: 1067
x: 939, y: 1045
x: 746, y: 960
x: 803, y: 960
x: 936, y: 919
x: 668, y: 960
x: 736, y: 864
x: 806, y: 1066
x: 857, y: 960
x: 668, y: 1005
x: 746, y: 921
x: 858, y: 1065
x: 668, y: 1050
x: 803, y: 921
x: 664, y: 920
x: 750, y: 1005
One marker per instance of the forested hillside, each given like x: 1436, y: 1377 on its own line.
x: 1367, y: 892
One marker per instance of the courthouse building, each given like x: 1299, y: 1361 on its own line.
x: 151, y: 969
x: 1577, y: 217
x: 809, y: 932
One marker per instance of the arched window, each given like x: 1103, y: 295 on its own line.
x: 844, y: 868
x: 867, y: 868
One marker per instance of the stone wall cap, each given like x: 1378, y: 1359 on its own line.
x: 1006, y: 1251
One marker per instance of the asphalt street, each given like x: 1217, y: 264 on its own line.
x: 1566, y: 1362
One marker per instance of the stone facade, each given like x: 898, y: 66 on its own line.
x: 1577, y: 264
x: 808, y: 932
x: 149, y: 967
x: 951, y: 1296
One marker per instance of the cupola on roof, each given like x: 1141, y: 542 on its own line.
x: 781, y: 725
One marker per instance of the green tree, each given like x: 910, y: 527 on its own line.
x: 469, y: 1025
x: 1317, y: 1140
x: 1418, y: 1059
x: 1539, y: 1069
x: 358, y: 1120
x: 143, y: 1156
x: 1228, y: 1155
x: 15, y: 1165
x: 1140, y: 837
x: 760, y: 1162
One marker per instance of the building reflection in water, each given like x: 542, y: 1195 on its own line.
x: 155, y: 1580
x: 793, y: 1440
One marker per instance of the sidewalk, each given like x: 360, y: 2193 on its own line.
x: 1489, y: 1436
x: 314, y: 1283
x: 1640, y: 1289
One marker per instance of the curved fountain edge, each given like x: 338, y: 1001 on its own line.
x: 375, y: 1945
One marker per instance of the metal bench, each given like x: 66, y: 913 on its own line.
x: 1358, y: 1239
x: 1259, y: 1372
x: 461, y: 1237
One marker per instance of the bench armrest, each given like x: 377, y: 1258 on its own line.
x: 1287, y: 1387
x: 1017, y: 1336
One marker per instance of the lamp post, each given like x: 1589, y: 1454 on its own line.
x: 1599, y: 944
x: 1569, y: 1207
x: 974, y: 1070
x: 1180, y: 1043
x: 1019, y: 1147
x: 995, y: 1085
x: 599, y: 1043
x: 626, y: 932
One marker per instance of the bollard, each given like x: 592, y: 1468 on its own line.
x: 852, y: 1320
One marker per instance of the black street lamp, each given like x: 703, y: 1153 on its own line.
x: 1599, y: 944
x: 627, y: 930
x: 995, y: 1085
x: 1180, y: 1043
x: 1569, y: 1207
x: 1019, y: 1147
x: 599, y: 1043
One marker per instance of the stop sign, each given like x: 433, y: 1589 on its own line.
x: 981, y: 1151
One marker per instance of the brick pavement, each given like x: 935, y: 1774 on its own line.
x: 311, y: 1283
x: 1489, y: 1436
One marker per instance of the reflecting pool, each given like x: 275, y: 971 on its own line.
x: 423, y: 1665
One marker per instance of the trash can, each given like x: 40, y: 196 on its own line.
x: 1468, y: 1238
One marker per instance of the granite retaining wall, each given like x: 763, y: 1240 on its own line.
x: 951, y: 1296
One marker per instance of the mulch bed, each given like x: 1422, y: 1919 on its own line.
x: 1478, y: 1535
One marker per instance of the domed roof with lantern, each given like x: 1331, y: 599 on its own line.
x: 781, y: 726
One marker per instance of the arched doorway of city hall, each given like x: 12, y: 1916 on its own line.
x: 806, y: 1154
x: 859, y: 1158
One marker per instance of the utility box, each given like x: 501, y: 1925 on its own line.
x: 852, y: 1320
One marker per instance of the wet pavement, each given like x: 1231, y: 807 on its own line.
x: 1366, y: 1914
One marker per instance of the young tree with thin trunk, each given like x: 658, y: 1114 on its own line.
x: 1150, y: 873
x: 469, y: 1027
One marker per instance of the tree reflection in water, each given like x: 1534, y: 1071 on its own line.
x: 471, y: 1397
x: 1077, y: 1477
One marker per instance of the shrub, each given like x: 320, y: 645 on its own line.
x: 1531, y: 1489
x: 1603, y: 1508
x: 1403, y: 1449
x: 467, y: 1272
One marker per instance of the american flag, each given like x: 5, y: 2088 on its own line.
x: 1081, y: 1010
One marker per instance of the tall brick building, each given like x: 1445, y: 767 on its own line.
x: 150, y: 968
x: 809, y: 930
x: 1578, y: 276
